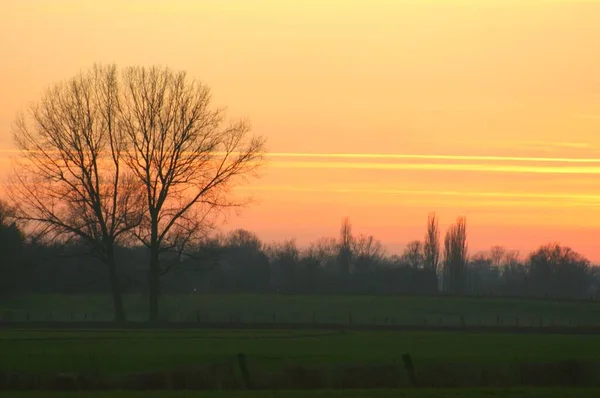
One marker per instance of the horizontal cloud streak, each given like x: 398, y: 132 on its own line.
x: 478, y: 167
x: 433, y: 157
x: 582, y: 197
x: 482, y: 198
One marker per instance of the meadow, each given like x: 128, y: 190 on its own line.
x: 123, y: 351
x: 295, y: 359
x: 331, y: 309
x: 301, y: 358
x: 413, y: 393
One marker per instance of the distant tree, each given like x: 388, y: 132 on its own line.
x: 497, y: 255
x: 186, y: 157
x: 511, y: 257
x: 413, y: 255
x: 431, y: 246
x: 320, y: 262
x: 11, y: 244
x: 243, y: 262
x: 324, y: 252
x: 514, y: 274
x: 71, y: 183
x: 345, y: 248
x: 241, y: 238
x: 285, y: 264
x: 482, y: 276
x: 455, y: 257
x: 559, y: 271
x: 367, y: 253
x: 11, y: 237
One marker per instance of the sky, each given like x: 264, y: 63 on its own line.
x: 382, y: 111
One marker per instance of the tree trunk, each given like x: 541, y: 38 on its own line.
x: 115, y: 287
x: 153, y: 284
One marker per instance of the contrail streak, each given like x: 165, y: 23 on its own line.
x: 497, y: 168
x: 431, y: 157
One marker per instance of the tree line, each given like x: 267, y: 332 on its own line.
x: 239, y: 262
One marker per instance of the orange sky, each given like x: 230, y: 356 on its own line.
x: 492, y: 106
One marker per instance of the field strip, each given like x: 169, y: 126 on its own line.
x: 331, y: 328
x: 168, y: 337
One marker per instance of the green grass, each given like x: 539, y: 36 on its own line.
x: 427, y: 393
x: 117, y: 352
x: 330, y: 309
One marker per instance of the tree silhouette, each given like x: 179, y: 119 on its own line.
x: 455, y: 257
x: 558, y: 270
x: 431, y: 246
x: 186, y: 157
x: 71, y: 183
x: 11, y: 244
x: 413, y: 255
x: 345, y: 249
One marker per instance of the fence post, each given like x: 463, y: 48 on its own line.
x: 410, y: 369
x: 244, y: 369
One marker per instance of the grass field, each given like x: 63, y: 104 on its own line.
x: 135, y: 350
x: 438, y: 393
x: 325, y: 309
x: 281, y: 359
x: 457, y: 355
x: 127, y: 351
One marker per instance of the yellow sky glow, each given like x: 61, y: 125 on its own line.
x: 378, y: 110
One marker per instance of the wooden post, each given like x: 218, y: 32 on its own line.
x: 244, y: 369
x: 410, y: 369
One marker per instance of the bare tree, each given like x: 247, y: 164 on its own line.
x: 285, y: 265
x: 367, y: 252
x: 185, y: 155
x: 323, y: 252
x: 245, y: 239
x: 455, y: 257
x: 413, y: 254
x: 7, y: 215
x: 431, y: 247
x: 497, y: 255
x: 511, y: 257
x: 345, y: 247
x: 70, y: 183
x: 11, y: 244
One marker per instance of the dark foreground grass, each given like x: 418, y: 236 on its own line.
x: 121, y: 351
x: 424, y: 393
x: 179, y: 360
x: 304, y: 308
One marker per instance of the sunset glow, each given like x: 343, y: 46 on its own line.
x: 382, y: 111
